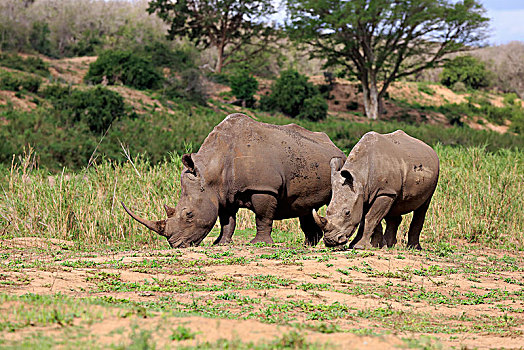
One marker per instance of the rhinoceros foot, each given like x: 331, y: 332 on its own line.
x: 263, y: 239
x: 223, y: 241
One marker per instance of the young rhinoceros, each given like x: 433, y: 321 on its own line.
x: 384, y: 177
x: 276, y: 171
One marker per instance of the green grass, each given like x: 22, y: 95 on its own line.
x: 478, y: 200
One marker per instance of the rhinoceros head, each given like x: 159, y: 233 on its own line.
x: 345, y: 209
x: 195, y: 214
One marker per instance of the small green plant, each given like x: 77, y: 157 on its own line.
x: 125, y: 67
x: 182, y: 333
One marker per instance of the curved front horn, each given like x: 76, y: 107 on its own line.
x: 157, y: 226
x: 319, y: 220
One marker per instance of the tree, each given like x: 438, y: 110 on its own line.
x: 226, y: 25
x: 380, y: 41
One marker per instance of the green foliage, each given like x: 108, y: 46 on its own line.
x: 39, y: 38
x: 385, y: 40
x: 125, y: 67
x: 162, y: 54
x: 86, y: 45
x: 459, y: 87
x: 186, y: 85
x: 289, y: 93
x: 244, y: 86
x: 315, y: 108
x: 98, y: 107
x: 30, y: 64
x: 238, y: 22
x: 467, y: 70
x: 182, y: 333
x: 19, y: 82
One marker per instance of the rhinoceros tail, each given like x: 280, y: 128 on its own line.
x: 157, y: 226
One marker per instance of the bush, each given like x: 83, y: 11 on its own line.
x: 18, y: 82
x: 289, y: 93
x: 30, y: 64
x: 466, y: 69
x: 39, y: 38
x: 244, y: 86
x: 126, y: 67
x: 459, y: 87
x: 162, y: 55
x: 97, y: 107
x: 315, y: 108
x: 188, y: 85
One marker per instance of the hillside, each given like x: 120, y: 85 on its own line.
x: 154, y: 122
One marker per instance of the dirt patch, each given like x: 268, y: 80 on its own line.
x: 366, y: 299
x: 70, y: 70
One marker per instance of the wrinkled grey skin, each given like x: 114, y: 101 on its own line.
x: 384, y: 177
x: 276, y: 171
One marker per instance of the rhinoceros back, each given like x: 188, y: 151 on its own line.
x: 287, y: 160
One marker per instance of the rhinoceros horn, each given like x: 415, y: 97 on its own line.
x: 319, y: 220
x: 157, y: 226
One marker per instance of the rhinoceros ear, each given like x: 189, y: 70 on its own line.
x: 336, y: 164
x: 188, y: 162
x: 169, y: 211
x: 348, y: 178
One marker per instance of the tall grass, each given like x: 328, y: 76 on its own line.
x: 478, y: 200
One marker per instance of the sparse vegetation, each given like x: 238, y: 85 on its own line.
x: 77, y: 272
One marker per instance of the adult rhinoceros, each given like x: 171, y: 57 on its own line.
x: 277, y: 171
x: 384, y: 177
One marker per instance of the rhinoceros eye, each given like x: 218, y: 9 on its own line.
x: 347, y: 212
x: 189, y: 214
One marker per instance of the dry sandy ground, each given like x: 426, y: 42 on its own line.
x: 362, y: 300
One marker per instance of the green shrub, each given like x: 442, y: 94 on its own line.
x: 30, y: 64
x: 18, y: 82
x: 125, y: 67
x: 39, y: 38
x: 86, y: 44
x: 459, y: 87
x: 315, y: 108
x: 55, y: 92
x: 244, y: 86
x: 163, y: 55
x: 266, y: 103
x: 97, y: 107
x: 466, y: 69
x: 188, y: 85
x: 289, y: 93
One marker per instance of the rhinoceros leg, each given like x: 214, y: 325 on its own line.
x: 392, y: 224
x: 377, y: 239
x: 415, y: 227
x: 379, y: 209
x: 311, y: 230
x: 227, y: 227
x: 264, y: 206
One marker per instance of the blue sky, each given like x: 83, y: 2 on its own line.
x: 507, y: 20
